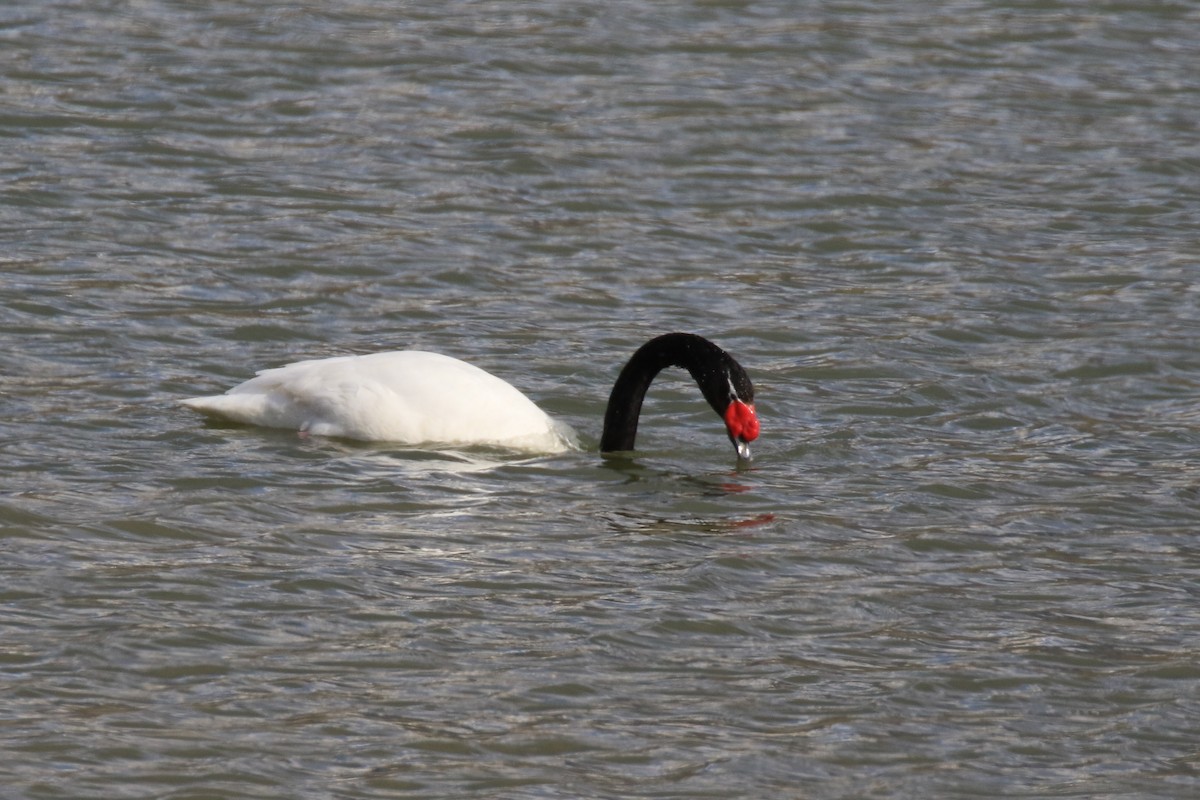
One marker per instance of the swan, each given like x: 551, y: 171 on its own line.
x: 422, y: 398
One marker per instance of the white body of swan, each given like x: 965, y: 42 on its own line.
x: 410, y: 396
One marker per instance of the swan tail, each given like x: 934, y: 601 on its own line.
x: 246, y: 408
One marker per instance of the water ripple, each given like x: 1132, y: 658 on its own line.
x: 949, y: 243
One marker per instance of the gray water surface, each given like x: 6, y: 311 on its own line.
x: 954, y: 244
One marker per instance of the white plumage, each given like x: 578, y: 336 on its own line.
x: 411, y: 396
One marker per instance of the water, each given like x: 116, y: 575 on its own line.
x: 955, y: 246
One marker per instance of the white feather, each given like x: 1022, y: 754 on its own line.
x: 410, y: 396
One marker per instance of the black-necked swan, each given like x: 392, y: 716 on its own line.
x: 421, y: 398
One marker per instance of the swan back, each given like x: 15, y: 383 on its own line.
x: 409, y: 396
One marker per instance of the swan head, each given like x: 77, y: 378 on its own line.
x: 741, y: 422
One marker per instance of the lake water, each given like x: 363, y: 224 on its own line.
x: 954, y: 244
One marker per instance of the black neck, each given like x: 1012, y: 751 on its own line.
x: 719, y: 377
